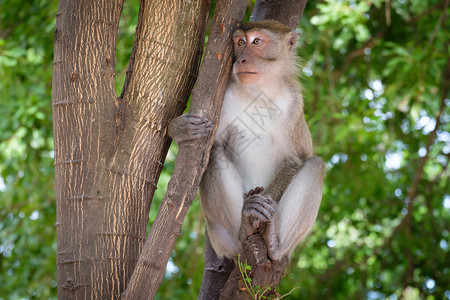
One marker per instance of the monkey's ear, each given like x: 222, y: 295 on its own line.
x: 292, y: 39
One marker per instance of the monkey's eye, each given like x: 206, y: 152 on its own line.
x: 257, y: 41
x: 241, y: 42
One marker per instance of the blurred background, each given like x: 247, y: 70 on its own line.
x: 378, y: 108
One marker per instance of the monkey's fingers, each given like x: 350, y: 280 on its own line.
x: 196, y: 120
x: 253, y: 214
x: 264, y: 201
x: 254, y: 195
x: 258, y: 211
x: 200, y: 130
x: 258, y: 189
x: 269, y: 201
x: 250, y: 193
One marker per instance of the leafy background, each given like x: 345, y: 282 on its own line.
x: 373, y: 73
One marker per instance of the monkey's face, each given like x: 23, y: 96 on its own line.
x: 258, y: 54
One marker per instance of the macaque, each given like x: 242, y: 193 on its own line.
x: 262, y: 176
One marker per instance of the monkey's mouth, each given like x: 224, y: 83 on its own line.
x: 245, y: 73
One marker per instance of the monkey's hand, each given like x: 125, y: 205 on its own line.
x: 260, y: 214
x: 189, y: 127
x: 257, y: 210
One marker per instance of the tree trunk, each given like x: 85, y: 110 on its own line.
x: 287, y: 12
x: 264, y: 272
x: 109, y: 151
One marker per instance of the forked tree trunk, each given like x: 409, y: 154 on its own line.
x: 109, y: 151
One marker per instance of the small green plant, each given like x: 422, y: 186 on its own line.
x: 255, y: 291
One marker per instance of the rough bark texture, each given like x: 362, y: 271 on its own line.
x: 192, y: 157
x: 109, y: 151
x: 287, y: 12
x: 216, y: 272
x: 264, y: 271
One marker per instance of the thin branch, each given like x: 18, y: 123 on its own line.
x: 439, y: 23
x: 387, y: 12
x: 437, y: 6
x: 359, y: 52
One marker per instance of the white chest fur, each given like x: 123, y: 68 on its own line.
x: 262, y: 142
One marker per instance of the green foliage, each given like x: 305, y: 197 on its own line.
x: 373, y: 89
x: 373, y: 83
x: 27, y: 200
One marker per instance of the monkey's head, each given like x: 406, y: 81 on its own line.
x: 263, y: 49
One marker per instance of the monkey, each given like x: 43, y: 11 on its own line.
x: 262, y: 176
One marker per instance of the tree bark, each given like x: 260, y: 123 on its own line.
x: 108, y: 151
x: 264, y: 271
x: 216, y: 272
x: 192, y: 157
x: 287, y: 12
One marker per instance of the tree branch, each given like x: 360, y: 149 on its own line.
x: 439, y: 23
x: 430, y: 10
x: 357, y: 53
x: 215, y: 274
x: 287, y: 12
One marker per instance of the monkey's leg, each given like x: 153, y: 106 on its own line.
x: 284, y: 177
x: 297, y: 209
x: 222, y: 196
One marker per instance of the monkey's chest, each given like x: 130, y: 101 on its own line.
x: 256, y: 133
x: 260, y: 154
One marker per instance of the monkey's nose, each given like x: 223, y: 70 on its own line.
x: 241, y: 61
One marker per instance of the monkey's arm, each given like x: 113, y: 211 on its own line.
x: 283, y: 178
x: 300, y: 137
x: 275, y: 190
